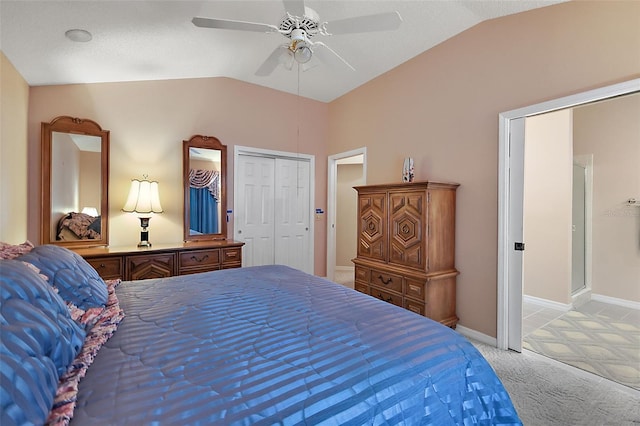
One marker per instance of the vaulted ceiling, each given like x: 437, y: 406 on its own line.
x: 156, y: 40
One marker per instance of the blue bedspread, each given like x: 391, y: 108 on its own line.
x: 273, y: 345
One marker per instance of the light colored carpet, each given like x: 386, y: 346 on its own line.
x: 549, y: 393
x: 592, y: 342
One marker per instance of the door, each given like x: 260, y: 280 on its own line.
x: 292, y: 213
x: 578, y: 234
x: 273, y: 210
x: 516, y: 227
x: 255, y: 224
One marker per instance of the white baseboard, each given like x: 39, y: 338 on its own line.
x: 615, y: 301
x: 476, y: 335
x: 567, y: 307
x: 345, y: 268
x: 544, y: 303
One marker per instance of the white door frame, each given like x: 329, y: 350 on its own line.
x: 332, y: 183
x: 269, y: 153
x: 586, y: 161
x: 505, y: 253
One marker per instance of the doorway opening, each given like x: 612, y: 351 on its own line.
x: 345, y: 170
x: 510, y: 220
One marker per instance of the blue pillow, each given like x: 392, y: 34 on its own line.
x: 77, y: 282
x: 38, y: 342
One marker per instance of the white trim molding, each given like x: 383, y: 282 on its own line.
x: 615, y: 301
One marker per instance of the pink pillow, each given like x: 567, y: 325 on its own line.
x: 11, y: 251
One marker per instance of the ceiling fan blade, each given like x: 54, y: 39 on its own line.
x: 225, y: 24
x: 273, y: 61
x: 294, y: 7
x: 368, y: 23
x: 329, y: 58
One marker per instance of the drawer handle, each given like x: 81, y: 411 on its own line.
x: 231, y: 254
x: 201, y: 259
x: 382, y: 280
x: 388, y: 299
x: 102, y: 265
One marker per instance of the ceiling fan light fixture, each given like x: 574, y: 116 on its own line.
x: 302, y: 53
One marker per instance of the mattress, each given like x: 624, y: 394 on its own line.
x: 274, y: 345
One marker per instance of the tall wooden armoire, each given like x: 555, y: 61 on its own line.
x: 406, y: 247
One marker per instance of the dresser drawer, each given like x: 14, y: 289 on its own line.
x: 200, y: 259
x: 231, y: 257
x: 150, y: 266
x: 109, y: 268
x: 393, y: 298
x: 386, y: 280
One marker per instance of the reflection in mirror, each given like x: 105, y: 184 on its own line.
x: 204, y: 191
x: 75, y: 173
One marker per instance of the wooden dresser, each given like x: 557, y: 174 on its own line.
x: 406, y: 247
x: 159, y: 261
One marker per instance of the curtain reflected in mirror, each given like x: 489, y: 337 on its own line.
x: 204, y: 191
x: 204, y: 196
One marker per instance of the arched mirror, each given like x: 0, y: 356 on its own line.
x: 75, y: 183
x: 205, y: 193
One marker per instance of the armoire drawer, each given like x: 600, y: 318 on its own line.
x: 389, y: 297
x: 362, y: 274
x: 415, y: 288
x: 415, y: 306
x: 362, y: 288
x: 389, y: 282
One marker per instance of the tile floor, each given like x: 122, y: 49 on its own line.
x: 535, y: 316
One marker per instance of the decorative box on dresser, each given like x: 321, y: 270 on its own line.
x: 406, y: 247
x: 160, y: 261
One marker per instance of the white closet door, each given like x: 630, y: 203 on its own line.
x: 292, y: 214
x: 255, y: 209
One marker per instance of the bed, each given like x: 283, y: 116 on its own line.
x: 260, y: 345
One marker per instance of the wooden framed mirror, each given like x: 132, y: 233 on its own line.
x: 75, y: 183
x: 205, y: 191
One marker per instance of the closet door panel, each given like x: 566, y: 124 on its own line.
x: 255, y: 224
x: 292, y: 214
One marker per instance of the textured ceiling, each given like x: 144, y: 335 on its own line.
x: 155, y: 40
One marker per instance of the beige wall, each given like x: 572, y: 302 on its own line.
x: 89, y: 180
x: 65, y: 179
x: 14, y: 100
x: 441, y: 108
x: 349, y: 175
x: 547, y: 206
x: 611, y: 132
x: 148, y: 122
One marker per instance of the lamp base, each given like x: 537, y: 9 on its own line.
x: 144, y: 234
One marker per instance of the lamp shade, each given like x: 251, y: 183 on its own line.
x: 144, y: 197
x: 91, y: 211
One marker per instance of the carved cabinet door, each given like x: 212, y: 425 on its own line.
x: 372, y: 226
x: 407, y: 210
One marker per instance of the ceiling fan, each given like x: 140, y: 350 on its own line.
x: 300, y: 25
